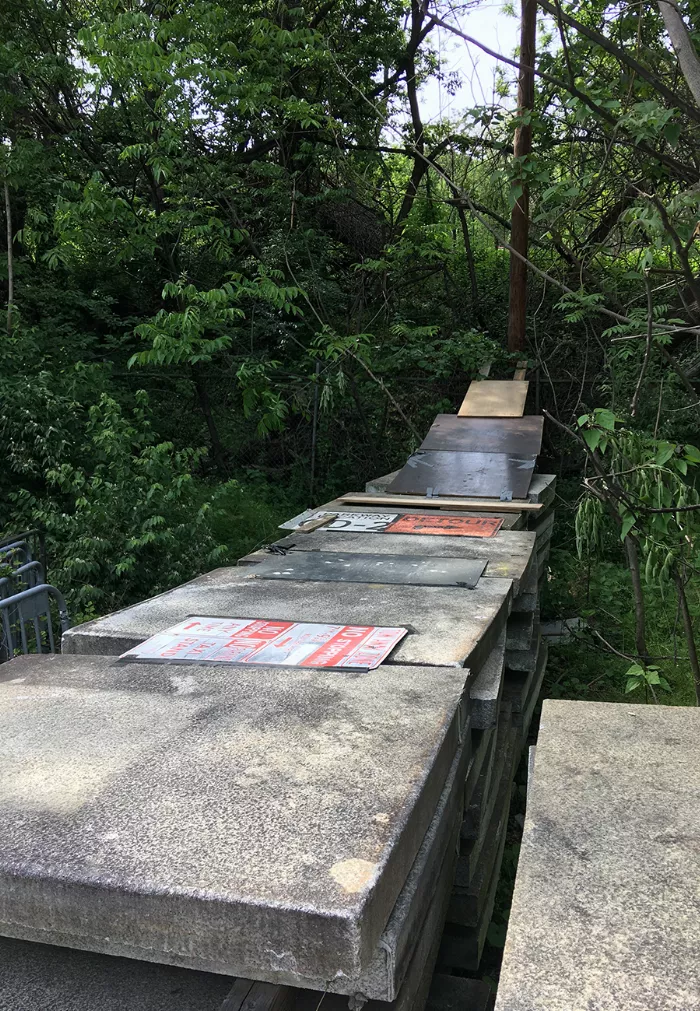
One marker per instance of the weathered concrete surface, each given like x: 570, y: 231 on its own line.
x: 43, y: 977
x: 414, y: 990
x: 520, y: 685
x: 483, y: 742
x: 451, y: 626
x: 606, y: 911
x: 486, y: 687
x: 462, y: 947
x: 521, y: 629
x: 524, y: 660
x: 478, y: 807
x: 400, y: 938
x: 476, y: 858
x: 509, y: 554
x: 543, y: 489
x: 251, y: 821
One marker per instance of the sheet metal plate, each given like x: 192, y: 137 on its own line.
x: 477, y: 475
x: 449, y: 432
x: 494, y: 398
x: 337, y: 567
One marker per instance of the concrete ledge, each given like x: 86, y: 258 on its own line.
x: 253, y: 821
x: 450, y: 626
x: 606, y: 910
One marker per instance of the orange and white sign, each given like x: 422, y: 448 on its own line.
x: 457, y: 526
x: 262, y: 641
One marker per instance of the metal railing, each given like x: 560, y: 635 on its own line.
x: 28, y: 604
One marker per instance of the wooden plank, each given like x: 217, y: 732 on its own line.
x: 307, y: 528
x: 494, y: 398
x: 468, y: 504
x: 520, y: 371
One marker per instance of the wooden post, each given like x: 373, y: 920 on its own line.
x: 522, y: 146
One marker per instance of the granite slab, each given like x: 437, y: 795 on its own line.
x: 247, y: 821
x: 521, y: 630
x: 524, y: 660
x: 462, y: 947
x: 449, y: 626
x: 606, y: 909
x: 486, y: 687
x: 479, y: 806
x: 39, y: 977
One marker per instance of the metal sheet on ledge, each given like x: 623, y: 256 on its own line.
x: 479, y: 475
x: 337, y: 567
x: 485, y: 435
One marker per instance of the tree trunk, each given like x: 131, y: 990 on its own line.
x: 471, y: 266
x: 10, y: 260
x: 521, y: 148
x: 682, y: 45
x: 217, y: 449
x: 640, y: 636
x: 689, y: 636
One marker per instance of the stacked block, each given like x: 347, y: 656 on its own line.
x: 289, y: 833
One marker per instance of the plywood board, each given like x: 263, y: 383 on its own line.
x: 361, y: 567
x: 494, y: 398
x: 487, y: 475
x: 485, y: 507
x: 485, y: 435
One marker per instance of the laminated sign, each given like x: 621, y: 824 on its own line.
x: 259, y: 641
x: 458, y: 526
x: 357, y: 522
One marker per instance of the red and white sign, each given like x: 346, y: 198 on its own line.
x: 456, y: 526
x: 259, y: 641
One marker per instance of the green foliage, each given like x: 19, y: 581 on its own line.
x: 127, y: 522
x: 655, y: 499
x: 645, y: 677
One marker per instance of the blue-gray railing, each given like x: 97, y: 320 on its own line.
x: 27, y: 602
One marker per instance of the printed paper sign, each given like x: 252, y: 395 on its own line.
x: 356, y: 522
x: 457, y: 526
x: 260, y: 641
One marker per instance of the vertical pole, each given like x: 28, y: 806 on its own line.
x: 521, y: 148
x: 314, y: 432
x: 10, y: 265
